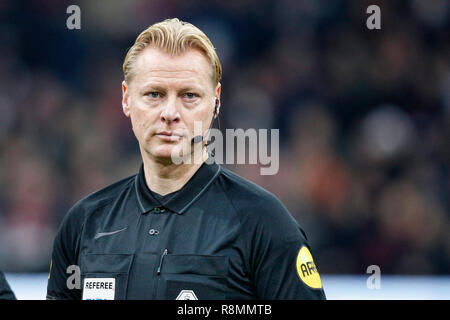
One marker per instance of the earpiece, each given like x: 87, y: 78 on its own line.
x: 198, y: 139
x: 216, y: 108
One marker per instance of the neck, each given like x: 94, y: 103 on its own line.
x: 164, y: 177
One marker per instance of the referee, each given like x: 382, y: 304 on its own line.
x: 179, y: 230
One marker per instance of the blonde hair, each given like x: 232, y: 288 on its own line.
x: 174, y: 37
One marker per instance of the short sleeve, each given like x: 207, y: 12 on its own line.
x: 282, y: 265
x: 64, y: 255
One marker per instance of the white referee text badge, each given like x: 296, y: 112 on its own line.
x: 99, y: 288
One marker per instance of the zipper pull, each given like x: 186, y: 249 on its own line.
x: 161, y: 261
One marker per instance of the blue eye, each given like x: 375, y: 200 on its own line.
x: 154, y: 94
x: 190, y: 95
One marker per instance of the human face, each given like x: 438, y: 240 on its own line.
x: 166, y: 95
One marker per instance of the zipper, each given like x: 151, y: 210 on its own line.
x: 161, y: 262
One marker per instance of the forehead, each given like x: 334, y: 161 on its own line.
x: 153, y: 65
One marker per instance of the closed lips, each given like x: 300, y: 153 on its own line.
x: 169, y: 136
x: 168, y: 133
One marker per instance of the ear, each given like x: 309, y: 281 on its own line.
x: 125, y: 105
x: 217, y: 95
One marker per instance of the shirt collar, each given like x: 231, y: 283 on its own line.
x: 184, y: 198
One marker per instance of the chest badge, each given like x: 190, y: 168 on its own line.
x: 186, y: 295
x: 99, y: 288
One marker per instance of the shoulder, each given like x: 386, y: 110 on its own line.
x: 5, y: 291
x: 256, y: 206
x: 245, y: 192
x: 96, y: 200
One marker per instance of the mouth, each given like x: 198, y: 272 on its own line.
x: 168, y: 136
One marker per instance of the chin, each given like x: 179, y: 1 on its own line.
x: 164, y: 152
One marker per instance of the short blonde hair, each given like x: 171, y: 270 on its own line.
x: 174, y: 37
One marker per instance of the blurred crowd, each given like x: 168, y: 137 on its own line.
x: 364, y: 119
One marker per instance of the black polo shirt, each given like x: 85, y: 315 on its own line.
x: 219, y: 237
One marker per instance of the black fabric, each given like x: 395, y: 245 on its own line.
x: 179, y: 201
x: 218, y: 237
x: 158, y: 198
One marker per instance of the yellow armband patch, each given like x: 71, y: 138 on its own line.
x: 50, y: 271
x: 307, y: 270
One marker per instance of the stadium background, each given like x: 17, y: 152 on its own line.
x: 363, y: 116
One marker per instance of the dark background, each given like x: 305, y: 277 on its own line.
x: 363, y: 116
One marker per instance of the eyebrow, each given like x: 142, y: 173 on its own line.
x: 158, y: 87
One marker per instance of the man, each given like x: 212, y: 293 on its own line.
x: 188, y: 230
x: 5, y: 291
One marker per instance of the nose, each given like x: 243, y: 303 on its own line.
x: 170, y: 112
